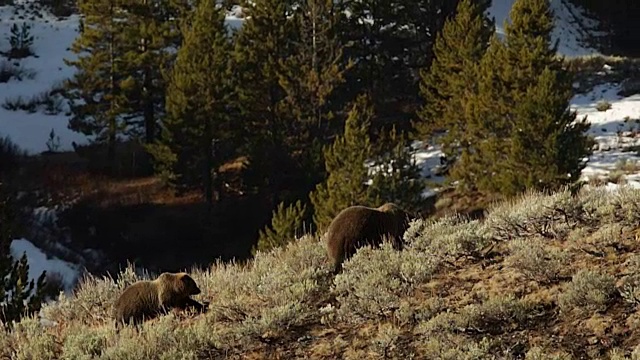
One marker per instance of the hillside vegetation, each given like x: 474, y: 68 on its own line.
x: 546, y: 276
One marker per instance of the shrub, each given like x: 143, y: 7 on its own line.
x: 630, y: 284
x: 386, y: 339
x: 374, y: 281
x: 492, y: 315
x: 535, y: 260
x: 9, y: 70
x: 275, y: 291
x: 453, y: 347
x: 535, y: 214
x: 46, y: 101
x: 587, y: 291
x: 538, y: 353
x: 605, y: 236
x: 287, y: 224
x: 603, y: 105
x: 448, y: 238
x: 635, y: 355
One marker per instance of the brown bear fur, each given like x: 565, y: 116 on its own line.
x: 144, y: 300
x: 357, y: 226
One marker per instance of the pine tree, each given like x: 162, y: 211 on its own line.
x: 287, y: 223
x: 398, y: 179
x: 260, y: 99
x: 524, y: 135
x: 309, y: 79
x: 346, y: 184
x: 99, y: 88
x: 21, y: 41
x: 445, y: 86
x: 19, y: 296
x: 151, y: 33
x: 197, y: 129
x: 390, y: 41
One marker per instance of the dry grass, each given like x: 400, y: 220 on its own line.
x: 545, y: 276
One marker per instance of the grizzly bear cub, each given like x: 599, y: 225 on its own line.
x: 357, y: 226
x: 144, y: 300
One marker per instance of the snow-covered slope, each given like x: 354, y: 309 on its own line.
x: 52, y: 42
x: 572, y: 26
x: 616, y: 130
x: 52, y: 39
x: 39, y: 262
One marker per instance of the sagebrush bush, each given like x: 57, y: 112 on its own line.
x: 630, y: 283
x: 9, y: 70
x: 603, y: 105
x: 375, y: 280
x: 385, y: 343
x: 453, y: 347
x: 274, y: 292
x: 448, y: 238
x: 626, y: 202
x: 536, y: 260
x: 635, y: 355
x: 620, y: 206
x: 539, y: 353
x: 606, y: 236
x: 494, y: 313
x: 534, y: 214
x: 588, y: 291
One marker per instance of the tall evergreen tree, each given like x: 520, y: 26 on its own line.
x: 99, y: 88
x: 524, y: 134
x: 150, y: 35
x: 390, y: 41
x: 345, y: 164
x: 309, y: 79
x: 350, y: 180
x: 264, y: 41
x: 197, y: 127
x: 452, y: 77
x: 286, y: 88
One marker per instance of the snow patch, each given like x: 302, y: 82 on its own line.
x: 39, y: 262
x: 572, y: 26
x: 52, y: 44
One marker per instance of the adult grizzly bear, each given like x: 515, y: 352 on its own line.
x: 144, y: 300
x: 357, y: 226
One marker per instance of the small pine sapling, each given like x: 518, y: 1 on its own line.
x: 53, y: 143
x: 21, y: 41
x: 287, y: 224
x: 19, y: 296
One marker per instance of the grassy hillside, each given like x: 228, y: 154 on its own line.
x: 543, y: 277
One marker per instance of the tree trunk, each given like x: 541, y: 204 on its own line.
x: 208, y: 166
x: 149, y: 113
